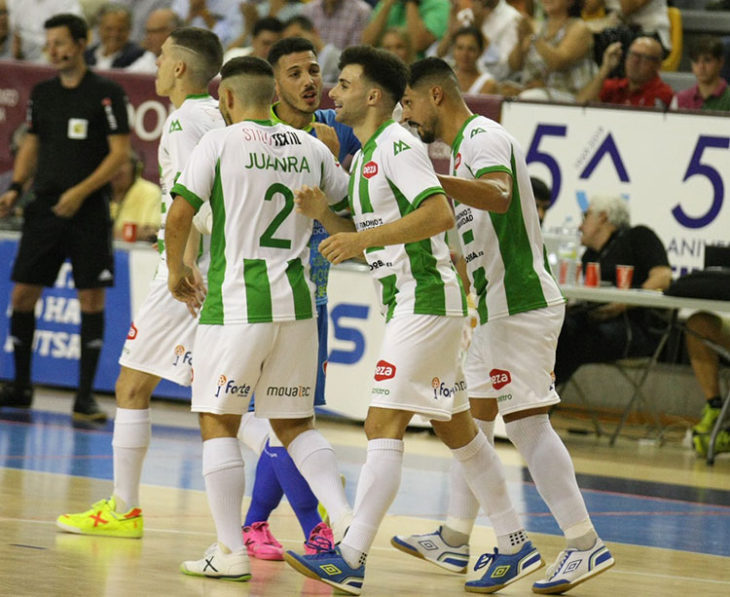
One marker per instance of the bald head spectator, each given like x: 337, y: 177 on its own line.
x: 141, y: 11
x: 707, y: 56
x: 114, y: 49
x: 27, y: 25
x: 339, y: 22
x: 641, y: 86
x: 159, y: 25
x: 328, y: 55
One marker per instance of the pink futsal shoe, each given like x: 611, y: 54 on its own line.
x: 320, y: 539
x: 260, y: 543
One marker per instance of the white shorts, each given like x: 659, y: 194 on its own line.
x: 512, y: 359
x: 160, y: 339
x: 419, y: 368
x: 277, y: 361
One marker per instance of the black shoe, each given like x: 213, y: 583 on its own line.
x: 86, y: 409
x: 15, y: 396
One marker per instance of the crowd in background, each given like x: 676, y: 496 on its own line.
x: 554, y: 50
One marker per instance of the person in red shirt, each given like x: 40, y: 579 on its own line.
x: 642, y: 85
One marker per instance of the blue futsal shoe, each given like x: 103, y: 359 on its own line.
x: 329, y: 567
x: 573, y: 567
x: 503, y: 569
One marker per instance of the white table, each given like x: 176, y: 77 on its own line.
x: 657, y: 300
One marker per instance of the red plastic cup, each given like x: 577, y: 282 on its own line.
x: 592, y: 274
x: 129, y: 232
x: 624, y: 275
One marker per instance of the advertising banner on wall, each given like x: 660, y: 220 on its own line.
x: 672, y: 169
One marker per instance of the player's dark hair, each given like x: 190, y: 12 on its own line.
x: 246, y: 65
x: 432, y: 69
x: 76, y: 26
x: 289, y: 45
x: 382, y: 68
x: 206, y: 46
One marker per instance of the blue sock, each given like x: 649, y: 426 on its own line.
x: 297, y: 491
x: 267, y: 491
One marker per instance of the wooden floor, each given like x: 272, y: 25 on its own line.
x: 36, y: 559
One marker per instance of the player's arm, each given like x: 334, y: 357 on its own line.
x: 25, y: 164
x: 492, y: 191
x: 312, y: 202
x: 72, y: 199
x: 177, y: 232
x: 433, y: 216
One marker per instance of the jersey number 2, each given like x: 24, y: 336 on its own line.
x: 267, y: 238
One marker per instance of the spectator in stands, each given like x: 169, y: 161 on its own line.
x: 27, y: 25
x: 253, y: 11
x: 134, y: 200
x: 599, y: 333
x: 339, y: 22
x: 556, y: 62
x: 222, y: 17
x: 159, y: 25
x: 328, y: 55
x: 266, y: 32
x: 706, y: 367
x: 6, y: 40
x: 397, y: 40
x: 425, y: 21
x: 114, y: 49
x: 650, y: 16
x: 543, y: 198
x: 467, y: 47
x: 141, y: 11
x: 642, y: 85
x: 707, y: 55
x: 596, y: 17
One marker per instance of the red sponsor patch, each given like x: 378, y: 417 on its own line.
x: 384, y: 370
x: 457, y: 161
x: 500, y: 378
x: 132, y: 333
x: 370, y: 169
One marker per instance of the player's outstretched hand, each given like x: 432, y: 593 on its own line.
x: 311, y: 202
x: 342, y: 246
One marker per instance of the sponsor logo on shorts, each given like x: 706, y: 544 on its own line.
x: 370, y: 169
x: 292, y: 391
x: 132, y: 333
x: 182, y: 354
x: 500, y: 378
x: 441, y: 390
x: 381, y: 391
x: 457, y: 162
x: 504, y: 397
x: 230, y: 388
x: 384, y: 370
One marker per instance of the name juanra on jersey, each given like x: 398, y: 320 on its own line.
x: 266, y: 161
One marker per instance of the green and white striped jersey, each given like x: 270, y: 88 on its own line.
x: 504, y: 253
x: 181, y: 132
x: 390, y: 177
x: 259, y: 269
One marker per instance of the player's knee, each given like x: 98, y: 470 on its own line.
x: 24, y: 297
x: 134, y: 391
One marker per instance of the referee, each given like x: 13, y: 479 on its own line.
x: 78, y: 138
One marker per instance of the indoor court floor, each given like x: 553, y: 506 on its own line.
x: 664, y: 513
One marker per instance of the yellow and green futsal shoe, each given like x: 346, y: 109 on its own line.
x: 102, y: 519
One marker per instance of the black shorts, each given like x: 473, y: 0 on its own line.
x: 47, y: 241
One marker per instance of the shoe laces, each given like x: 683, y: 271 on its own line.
x: 555, y: 568
x: 486, y: 559
x: 320, y: 539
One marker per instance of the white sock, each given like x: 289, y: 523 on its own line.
x: 463, y: 506
x: 376, y: 489
x: 253, y: 432
x: 315, y: 459
x: 551, y: 468
x: 131, y: 437
x: 225, y: 480
x: 485, y: 476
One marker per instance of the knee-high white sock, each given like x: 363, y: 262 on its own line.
x: 253, y: 432
x: 463, y: 506
x: 225, y: 480
x: 485, y: 476
x: 552, y: 470
x: 130, y: 440
x: 376, y: 489
x: 315, y: 459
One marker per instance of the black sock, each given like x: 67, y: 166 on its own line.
x: 715, y: 402
x: 22, y: 328
x: 92, y: 338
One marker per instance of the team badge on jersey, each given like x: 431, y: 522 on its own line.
x: 370, y: 169
x: 78, y: 128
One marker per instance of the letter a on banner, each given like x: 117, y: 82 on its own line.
x: 607, y: 147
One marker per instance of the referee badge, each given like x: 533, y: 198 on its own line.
x: 78, y: 128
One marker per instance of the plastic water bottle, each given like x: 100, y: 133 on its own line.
x: 568, y: 262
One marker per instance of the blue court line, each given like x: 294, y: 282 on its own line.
x: 622, y: 510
